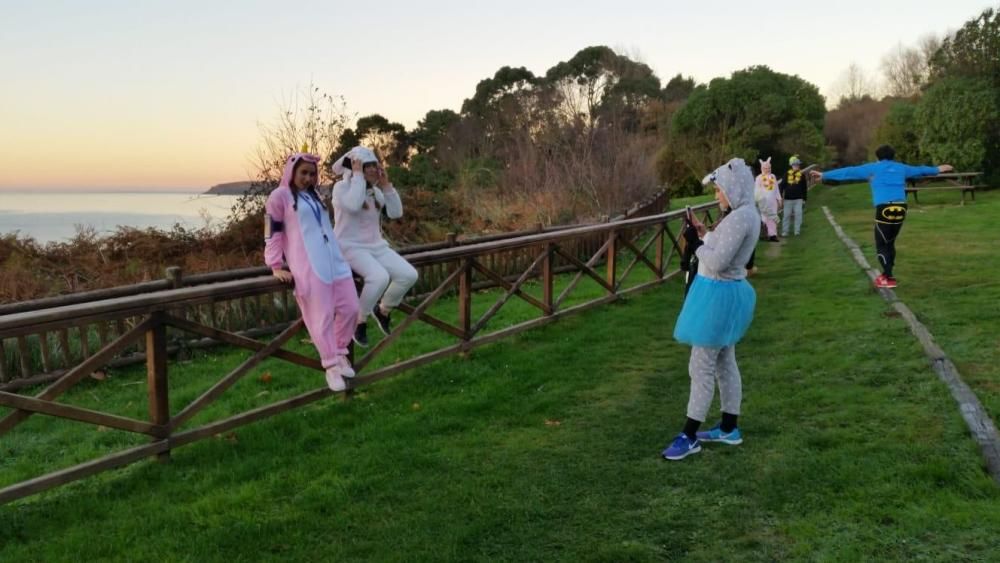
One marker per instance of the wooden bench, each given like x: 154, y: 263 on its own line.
x: 957, y: 181
x: 971, y: 190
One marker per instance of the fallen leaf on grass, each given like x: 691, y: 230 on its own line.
x: 99, y: 375
x: 552, y: 422
x: 266, y: 377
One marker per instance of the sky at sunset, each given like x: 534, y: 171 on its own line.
x: 168, y: 94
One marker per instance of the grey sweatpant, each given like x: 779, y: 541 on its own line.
x: 792, y: 207
x: 707, y: 365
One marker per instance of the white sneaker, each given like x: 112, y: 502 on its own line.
x: 334, y: 380
x: 345, y: 367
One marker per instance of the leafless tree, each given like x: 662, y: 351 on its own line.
x: 308, y: 117
x: 928, y: 45
x: 854, y: 84
x: 906, y: 69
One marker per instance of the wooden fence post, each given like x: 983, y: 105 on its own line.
x: 548, y: 277
x: 156, y: 377
x: 3, y: 363
x: 660, y: 266
x: 175, y: 277
x: 612, y: 260
x: 465, y: 299
x: 24, y: 355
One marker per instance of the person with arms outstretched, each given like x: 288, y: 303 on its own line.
x: 888, y: 183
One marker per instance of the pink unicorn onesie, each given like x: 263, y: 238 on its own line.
x: 768, y: 198
x: 297, y: 230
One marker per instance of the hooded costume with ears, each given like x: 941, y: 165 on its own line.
x: 768, y: 197
x: 298, y: 231
x: 357, y: 206
x: 357, y: 209
x: 728, y: 247
x: 720, y: 304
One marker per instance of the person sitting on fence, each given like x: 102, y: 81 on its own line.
x: 794, y: 192
x: 362, y: 195
x: 768, y: 198
x: 718, y: 309
x: 888, y: 184
x: 297, y: 230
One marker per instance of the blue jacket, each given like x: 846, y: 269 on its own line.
x: 887, y: 177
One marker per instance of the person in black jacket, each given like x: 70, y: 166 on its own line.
x: 793, y: 191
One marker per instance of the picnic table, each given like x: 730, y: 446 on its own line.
x: 964, y: 181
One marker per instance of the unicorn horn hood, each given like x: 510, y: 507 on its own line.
x: 736, y: 180
x: 364, y: 154
x: 286, y: 175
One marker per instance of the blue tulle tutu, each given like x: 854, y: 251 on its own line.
x: 716, y: 313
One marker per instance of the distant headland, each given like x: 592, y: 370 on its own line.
x: 230, y: 188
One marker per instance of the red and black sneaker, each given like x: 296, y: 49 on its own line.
x: 885, y: 282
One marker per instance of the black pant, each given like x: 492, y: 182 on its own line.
x: 889, y: 219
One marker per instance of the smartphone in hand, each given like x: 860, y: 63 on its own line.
x: 689, y: 214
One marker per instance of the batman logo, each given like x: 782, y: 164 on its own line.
x: 894, y: 213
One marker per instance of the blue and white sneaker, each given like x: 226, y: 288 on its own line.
x: 681, y: 448
x: 716, y: 434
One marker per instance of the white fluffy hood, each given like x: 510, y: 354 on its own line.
x: 364, y: 153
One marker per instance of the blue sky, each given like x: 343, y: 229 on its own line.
x: 162, y: 94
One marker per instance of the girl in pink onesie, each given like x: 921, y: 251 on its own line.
x: 298, y: 231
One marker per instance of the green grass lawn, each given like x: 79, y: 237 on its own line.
x: 948, y: 268
x: 545, y: 447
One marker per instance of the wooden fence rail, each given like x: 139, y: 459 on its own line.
x: 43, y: 356
x: 145, y: 320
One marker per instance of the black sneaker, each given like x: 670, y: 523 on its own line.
x: 384, y: 321
x: 773, y: 239
x: 361, y: 335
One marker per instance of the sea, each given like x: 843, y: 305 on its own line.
x: 52, y: 216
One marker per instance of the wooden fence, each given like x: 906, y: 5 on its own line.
x: 33, y: 359
x: 143, y: 321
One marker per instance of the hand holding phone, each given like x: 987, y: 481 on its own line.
x: 699, y: 227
